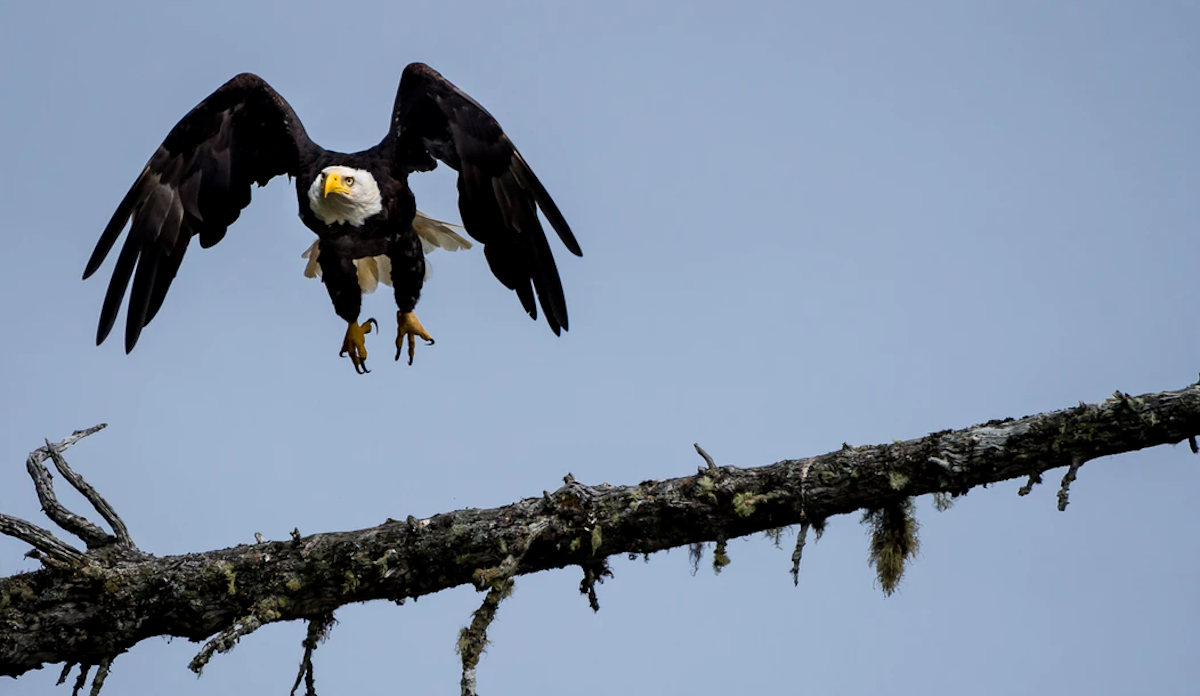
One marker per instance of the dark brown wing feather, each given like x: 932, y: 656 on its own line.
x: 498, y: 194
x: 196, y: 184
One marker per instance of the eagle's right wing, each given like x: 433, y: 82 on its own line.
x: 195, y: 184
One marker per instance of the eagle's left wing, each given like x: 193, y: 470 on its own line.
x: 498, y: 194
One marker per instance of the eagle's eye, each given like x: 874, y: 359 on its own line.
x: 349, y: 181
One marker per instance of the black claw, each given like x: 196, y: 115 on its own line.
x: 431, y: 342
x: 372, y: 321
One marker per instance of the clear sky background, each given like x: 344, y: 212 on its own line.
x: 803, y: 224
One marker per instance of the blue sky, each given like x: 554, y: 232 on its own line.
x: 803, y: 224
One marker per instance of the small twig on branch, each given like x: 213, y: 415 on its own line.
x: 1064, y: 493
x: 66, y: 672
x: 1034, y: 479
x: 594, y: 573
x: 98, y: 502
x: 702, y: 453
x: 41, y: 539
x: 101, y: 675
x: 225, y: 641
x: 88, y: 533
x: 318, y: 631
x: 82, y: 680
x: 49, y: 549
x: 472, y: 640
x: 79, y: 435
x: 801, y: 539
x: 805, y: 523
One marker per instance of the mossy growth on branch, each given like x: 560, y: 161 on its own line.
x: 893, y: 530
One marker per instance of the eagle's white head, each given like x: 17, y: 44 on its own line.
x: 344, y: 195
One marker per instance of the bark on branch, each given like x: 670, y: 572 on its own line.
x: 88, y: 608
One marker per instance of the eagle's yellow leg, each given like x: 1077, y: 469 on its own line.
x: 355, y: 344
x: 409, y: 325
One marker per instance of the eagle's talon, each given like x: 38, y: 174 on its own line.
x: 355, y: 344
x: 409, y: 325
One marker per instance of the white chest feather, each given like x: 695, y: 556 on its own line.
x: 353, y: 207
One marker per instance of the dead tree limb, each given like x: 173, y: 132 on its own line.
x: 88, y: 608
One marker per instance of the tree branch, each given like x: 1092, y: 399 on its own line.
x: 88, y: 533
x: 498, y: 581
x: 99, y: 503
x: 318, y: 631
x: 41, y: 539
x: 89, y: 612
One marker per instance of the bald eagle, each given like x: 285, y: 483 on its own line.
x: 359, y: 205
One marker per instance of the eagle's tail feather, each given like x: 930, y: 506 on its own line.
x: 439, y: 234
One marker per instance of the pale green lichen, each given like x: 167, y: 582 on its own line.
x: 271, y: 608
x: 575, y: 544
x: 720, y: 557
x: 597, y: 539
x: 230, y: 576
x: 15, y: 591
x: 472, y: 639
x: 897, y: 480
x: 743, y: 504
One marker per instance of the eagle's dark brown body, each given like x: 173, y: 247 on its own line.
x: 389, y: 232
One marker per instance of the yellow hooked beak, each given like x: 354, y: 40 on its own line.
x: 333, y: 184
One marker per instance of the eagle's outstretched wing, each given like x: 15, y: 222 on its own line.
x: 498, y: 194
x: 196, y: 184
